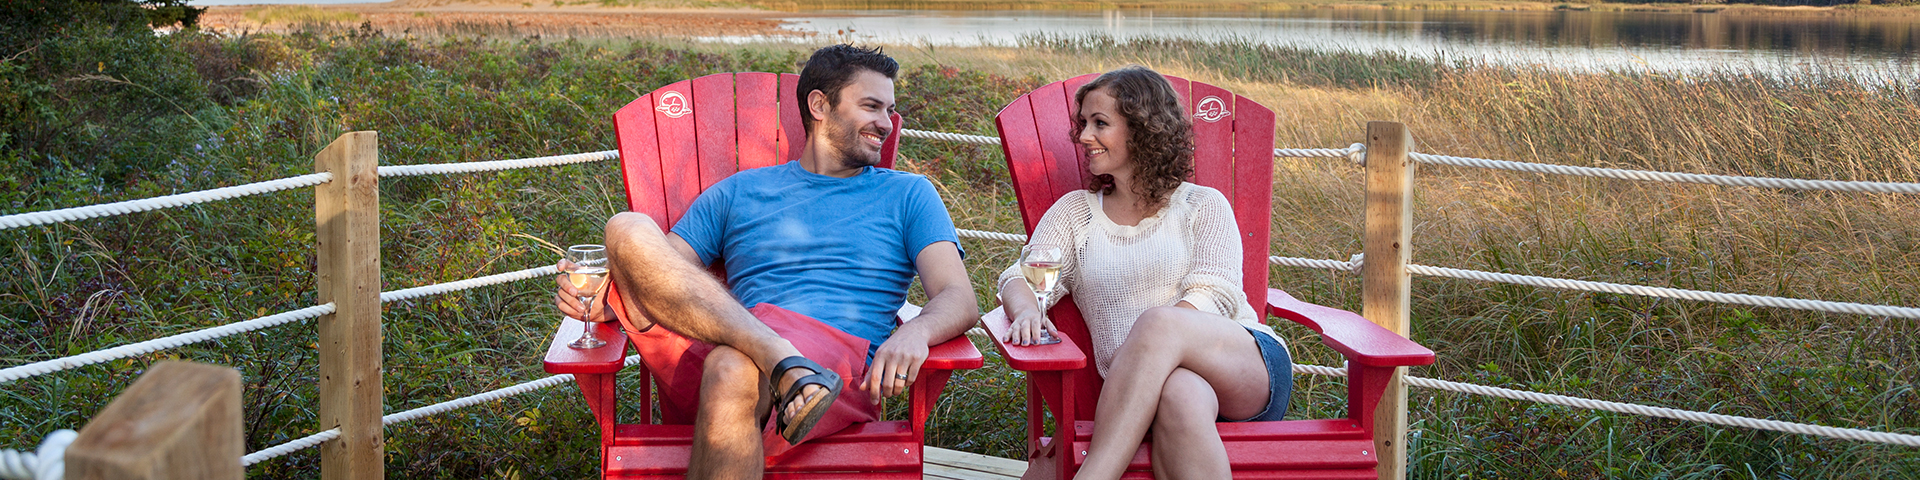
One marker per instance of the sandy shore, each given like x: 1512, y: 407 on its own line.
x: 443, y: 17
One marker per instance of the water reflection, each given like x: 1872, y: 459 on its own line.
x: 1877, y: 45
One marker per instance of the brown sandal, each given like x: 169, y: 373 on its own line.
x: 795, y: 429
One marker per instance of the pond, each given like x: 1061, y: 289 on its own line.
x: 1867, y: 45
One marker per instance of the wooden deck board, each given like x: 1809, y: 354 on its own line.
x: 944, y: 464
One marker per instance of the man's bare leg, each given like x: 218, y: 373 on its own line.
x: 726, y: 434
x: 662, y: 286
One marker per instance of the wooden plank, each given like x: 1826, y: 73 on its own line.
x: 715, y: 127
x: 1021, y: 145
x: 986, y: 467
x: 1213, y: 159
x: 347, y: 214
x: 1386, y: 287
x: 1060, y: 152
x: 759, y: 115
x: 640, y: 157
x: 934, y: 471
x: 179, y: 421
x: 673, y: 114
x: 1253, y: 198
x: 793, y: 136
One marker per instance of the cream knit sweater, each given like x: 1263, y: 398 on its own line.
x: 1189, y: 251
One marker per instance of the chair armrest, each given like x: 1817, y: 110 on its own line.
x: 1350, y: 334
x: 957, y: 353
x: 954, y: 354
x: 1060, y: 356
x: 606, y: 359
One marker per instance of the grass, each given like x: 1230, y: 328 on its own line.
x: 1250, y: 5
x: 76, y: 287
x: 299, y: 14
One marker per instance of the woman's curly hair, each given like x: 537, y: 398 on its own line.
x: 1161, y: 135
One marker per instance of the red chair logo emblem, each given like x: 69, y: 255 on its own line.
x: 674, y: 105
x: 1211, y: 109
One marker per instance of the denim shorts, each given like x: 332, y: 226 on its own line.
x: 1279, y: 378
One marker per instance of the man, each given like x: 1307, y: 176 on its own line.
x: 827, y: 236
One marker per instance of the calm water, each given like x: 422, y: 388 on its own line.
x: 1682, y: 42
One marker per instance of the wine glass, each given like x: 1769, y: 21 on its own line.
x: 1040, y: 264
x: 589, y: 278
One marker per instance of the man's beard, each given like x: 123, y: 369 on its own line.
x: 847, y: 145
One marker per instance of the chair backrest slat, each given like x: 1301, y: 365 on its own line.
x: 639, y: 156
x: 759, y: 107
x: 1253, y: 204
x: 1058, y: 149
x: 793, y: 136
x: 715, y: 128
x: 1019, y: 140
x: 1212, y: 136
x: 674, y: 132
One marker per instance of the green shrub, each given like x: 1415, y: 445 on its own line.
x: 91, y: 86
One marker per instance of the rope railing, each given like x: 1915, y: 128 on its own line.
x: 162, y: 343
x: 1353, y: 265
x: 1672, y: 177
x: 1353, y: 152
x: 1356, y: 151
x: 1642, y: 410
x: 1663, y: 292
x: 495, y: 165
x: 178, y: 200
x: 468, y: 284
x: 197, y: 336
x: 950, y: 137
x: 422, y: 412
x: 289, y: 183
x: 44, y: 463
x: 982, y: 234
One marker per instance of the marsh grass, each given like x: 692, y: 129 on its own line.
x: 76, y: 287
x: 299, y: 14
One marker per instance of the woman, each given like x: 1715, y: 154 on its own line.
x: 1154, y: 265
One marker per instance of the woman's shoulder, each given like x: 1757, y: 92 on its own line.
x: 1200, y: 196
x: 1077, y: 202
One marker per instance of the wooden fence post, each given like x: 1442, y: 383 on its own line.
x: 347, y: 214
x: 179, y: 421
x: 1385, y: 292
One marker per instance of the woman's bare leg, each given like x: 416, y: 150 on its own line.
x: 1186, y: 444
x: 1216, y: 348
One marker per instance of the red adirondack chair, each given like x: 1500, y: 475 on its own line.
x: 674, y: 143
x: 1234, y: 154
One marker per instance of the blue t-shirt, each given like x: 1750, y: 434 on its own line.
x: 840, y: 250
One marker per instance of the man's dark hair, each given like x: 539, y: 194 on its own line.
x: 832, y: 68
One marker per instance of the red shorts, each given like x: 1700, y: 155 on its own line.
x: 677, y: 362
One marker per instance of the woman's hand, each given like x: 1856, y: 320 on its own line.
x: 1029, y: 326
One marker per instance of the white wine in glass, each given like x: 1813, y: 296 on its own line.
x: 589, y: 278
x: 1040, y: 264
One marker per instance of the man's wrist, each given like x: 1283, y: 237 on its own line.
x: 913, y: 331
